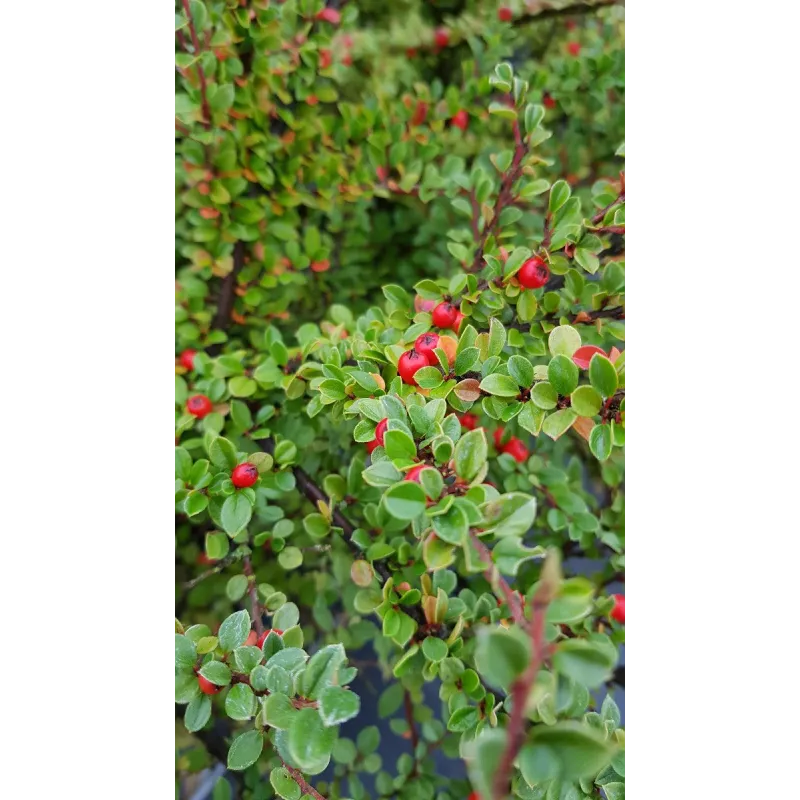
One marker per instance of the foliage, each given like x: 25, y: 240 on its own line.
x: 328, y: 198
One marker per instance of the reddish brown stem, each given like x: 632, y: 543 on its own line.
x: 200, y: 74
x: 304, y: 785
x: 255, y: 606
x: 412, y: 726
x: 496, y: 579
x: 520, y: 690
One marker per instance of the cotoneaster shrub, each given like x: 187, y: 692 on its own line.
x: 400, y: 395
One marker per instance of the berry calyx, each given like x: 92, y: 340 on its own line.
x: 534, y: 273
x: 244, y: 475
x: 410, y: 362
x: 198, y: 406
x: 469, y: 421
x: 187, y: 358
x: 267, y: 632
x: 413, y: 474
x: 426, y: 344
x: 505, y: 14
x: 618, y: 612
x: 517, y: 450
x: 206, y: 687
x: 574, y: 48
x: 441, y: 37
x: 583, y: 355
x: 444, y: 315
x: 329, y: 15
x: 460, y: 119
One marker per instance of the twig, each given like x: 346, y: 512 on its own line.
x: 412, y: 726
x: 494, y: 577
x: 200, y: 74
x: 218, y: 567
x: 228, y: 292
x: 255, y: 606
x: 305, y: 786
x: 520, y: 690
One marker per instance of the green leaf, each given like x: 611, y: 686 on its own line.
x: 434, y: 649
x: 241, y: 702
x: 198, y: 712
x: 544, y: 396
x: 284, y: 784
x: 511, y: 514
x: 290, y: 557
x: 194, y: 503
x: 521, y: 370
x: 222, y: 453
x: 321, y: 671
x: 452, y: 526
x: 236, y: 513
x: 217, y: 545
x: 586, y: 401
x: 501, y: 655
x: 216, y: 672
x: 500, y: 385
x: 497, y: 337
x: 466, y: 360
x: 337, y: 705
x: 185, y: 652
x: 405, y: 500
x: 287, y: 616
x: 567, y: 750
x: 279, y: 713
x: 517, y: 257
x: 399, y: 444
x: 484, y: 756
x: 310, y: 742
x: 564, y: 340
x: 602, y: 375
x: 245, y: 750
x: 563, y: 374
x: 502, y: 110
x: 600, y: 442
x: 462, y: 719
x: 470, y: 454
x: 559, y: 195
x: 586, y: 662
x: 555, y: 425
x: 234, y: 630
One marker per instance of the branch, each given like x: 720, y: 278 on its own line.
x: 542, y: 11
x: 305, y: 786
x: 218, y: 567
x: 409, y: 709
x: 494, y: 577
x: 255, y: 606
x: 228, y: 292
x: 200, y: 74
x: 520, y: 690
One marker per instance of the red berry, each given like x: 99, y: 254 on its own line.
x: 460, y: 119
x: 320, y: 266
x: 205, y: 561
x: 457, y: 321
x: 329, y: 15
x: 426, y: 344
x: 442, y: 37
x: 409, y: 363
x: 263, y: 637
x: 206, y: 687
x: 198, y: 406
x: 312, y: 100
x: 505, y: 14
x: 474, y: 796
x: 251, y: 639
x: 413, y: 475
x: 347, y: 60
x: 548, y: 101
x: 420, y: 113
x: 498, y: 438
x: 411, y: 52
x: 380, y: 430
x: 618, y: 612
x: 534, y: 273
x: 244, y: 475
x: 444, y: 315
x: 570, y: 24
x: 187, y: 358
x: 583, y: 355
x: 517, y: 450
x: 203, y: 188
x: 574, y: 48
x: 382, y: 173
x: 209, y: 213
x: 469, y: 421
x: 324, y: 59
